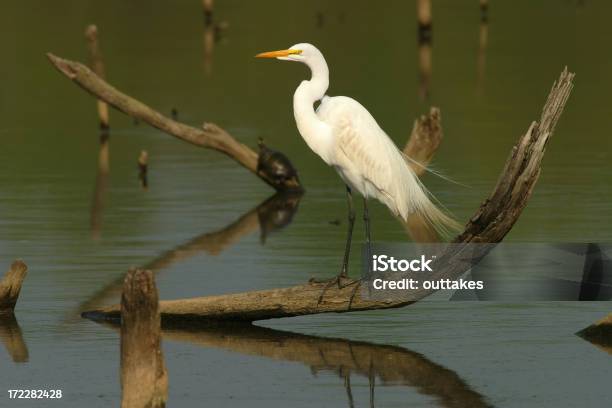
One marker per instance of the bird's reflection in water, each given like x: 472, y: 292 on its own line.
x: 382, y: 364
x: 12, y: 338
x: 271, y: 215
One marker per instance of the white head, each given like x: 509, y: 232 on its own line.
x: 305, y: 53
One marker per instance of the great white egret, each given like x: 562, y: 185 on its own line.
x: 346, y: 136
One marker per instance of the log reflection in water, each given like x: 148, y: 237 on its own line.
x: 599, y: 334
x: 392, y: 365
x: 98, y: 200
x: 12, y: 338
x: 481, y: 63
x: 271, y: 215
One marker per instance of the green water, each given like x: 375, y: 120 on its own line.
x: 503, y: 355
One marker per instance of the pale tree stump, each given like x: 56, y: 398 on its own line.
x: 424, y: 140
x: 144, y: 380
x: 10, y: 286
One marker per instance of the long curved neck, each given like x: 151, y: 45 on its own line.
x: 315, y: 132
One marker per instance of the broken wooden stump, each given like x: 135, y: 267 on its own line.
x: 420, y: 148
x: 144, y: 380
x: 424, y: 140
x: 490, y: 224
x: 599, y: 333
x: 210, y: 136
x: 10, y: 286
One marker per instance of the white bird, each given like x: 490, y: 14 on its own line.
x: 346, y: 136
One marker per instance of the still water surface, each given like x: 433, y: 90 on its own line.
x: 430, y: 354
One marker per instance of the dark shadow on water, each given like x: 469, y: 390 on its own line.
x: 12, y: 338
x: 270, y: 216
x: 381, y: 364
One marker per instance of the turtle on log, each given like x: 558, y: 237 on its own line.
x: 277, y: 169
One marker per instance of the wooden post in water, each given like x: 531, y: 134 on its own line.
x: 98, y: 201
x: 484, y: 10
x: 143, y: 169
x: 424, y: 38
x: 10, y: 286
x: 144, y: 380
x: 483, y: 37
x: 97, y: 65
x: 424, y: 20
x: 208, y: 11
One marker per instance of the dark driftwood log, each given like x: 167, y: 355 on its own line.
x: 210, y: 136
x: 492, y: 221
x: 144, y: 381
x: 599, y: 333
x: 10, y: 286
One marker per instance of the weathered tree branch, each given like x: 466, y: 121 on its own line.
x: 210, y: 136
x: 492, y: 221
x: 10, y: 286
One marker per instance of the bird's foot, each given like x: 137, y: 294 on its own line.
x: 342, y: 281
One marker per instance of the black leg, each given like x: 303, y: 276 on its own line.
x: 351, y: 223
x: 366, y: 221
x: 372, y: 382
x: 347, y: 251
x: 347, y: 387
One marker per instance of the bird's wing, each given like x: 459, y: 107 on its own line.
x: 362, y: 147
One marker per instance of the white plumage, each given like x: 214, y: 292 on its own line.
x: 367, y: 159
x: 346, y: 136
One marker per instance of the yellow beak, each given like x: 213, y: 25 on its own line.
x: 276, y: 54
